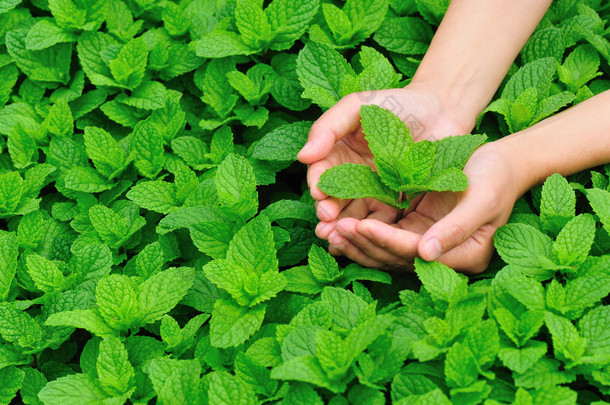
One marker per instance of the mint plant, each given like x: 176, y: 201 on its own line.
x: 157, y: 243
x: 403, y: 166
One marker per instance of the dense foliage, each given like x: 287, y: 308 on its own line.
x: 158, y: 242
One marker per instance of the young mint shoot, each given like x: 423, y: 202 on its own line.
x: 403, y: 166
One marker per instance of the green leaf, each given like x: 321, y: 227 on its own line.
x: 322, y: 265
x: 322, y: 68
x: 306, y: 369
x: 557, y: 203
x: 232, y: 325
x: 404, y: 35
x: 454, y: 151
x: 7, y: 5
x: 45, y: 274
x: 117, y: 301
x: 212, y: 237
x: 351, y: 181
x: 524, y: 289
x: 594, y: 327
x: 107, y: 156
x: 227, y: 389
x: 547, y: 42
x: 460, y: 366
x: 522, y: 245
x: 236, y: 185
x: 441, y: 282
x: 8, y: 262
x: 220, y: 44
x: 147, y: 144
x: 600, y: 202
x: 574, y: 241
x: 114, y: 371
x: 160, y: 293
x: 252, y: 23
x: 283, y: 143
x: 158, y: 196
x: 253, y: 248
x: 86, y: 180
x: 389, y: 140
x: 289, y: 20
x: 45, y: 34
x: 537, y: 74
x: 346, y: 307
x: 579, y: 67
x: 129, y: 66
x: 567, y: 343
x: 89, y: 319
x: 70, y: 389
x: 175, y: 380
x: 49, y: 65
x: 12, y: 379
x: 520, y: 360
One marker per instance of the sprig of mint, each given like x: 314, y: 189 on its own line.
x: 402, y: 165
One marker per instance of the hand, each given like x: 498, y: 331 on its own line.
x: 337, y: 138
x: 454, y: 228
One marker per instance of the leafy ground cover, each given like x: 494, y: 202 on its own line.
x: 157, y: 238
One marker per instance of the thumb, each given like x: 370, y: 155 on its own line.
x: 454, y: 228
x: 340, y: 120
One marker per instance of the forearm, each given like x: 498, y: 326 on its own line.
x: 473, y: 49
x: 569, y: 142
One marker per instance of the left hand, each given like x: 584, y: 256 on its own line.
x: 454, y: 228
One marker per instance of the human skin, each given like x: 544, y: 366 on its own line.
x: 469, y: 56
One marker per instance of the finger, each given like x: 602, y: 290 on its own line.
x: 348, y: 229
x: 333, y: 210
x: 340, y: 120
x: 395, y: 240
x: 458, y: 225
x: 473, y: 255
x: 414, y: 203
x: 347, y: 248
x: 382, y: 212
x: 314, y: 172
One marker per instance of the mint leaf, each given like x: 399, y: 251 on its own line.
x: 114, y: 371
x: 283, y: 143
x: 362, y: 182
x: 232, y: 325
x: 404, y: 35
x: 8, y: 262
x: 557, y: 204
x: 71, y: 388
x: 574, y: 241
x: 228, y: 389
x: 160, y: 293
x: 322, y: 70
x: 522, y: 245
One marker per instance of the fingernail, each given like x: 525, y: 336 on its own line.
x: 322, y: 214
x: 321, y: 226
x: 432, y: 249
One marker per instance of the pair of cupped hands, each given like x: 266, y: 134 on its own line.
x: 453, y: 228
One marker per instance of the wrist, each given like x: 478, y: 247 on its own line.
x: 530, y: 168
x: 450, y: 102
x: 447, y: 118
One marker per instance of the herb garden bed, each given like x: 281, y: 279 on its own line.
x: 158, y: 237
